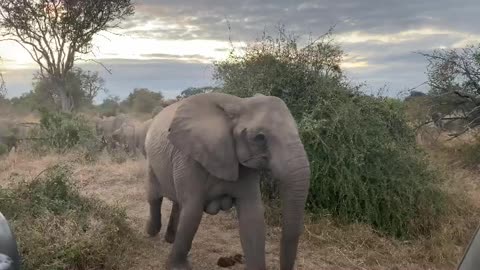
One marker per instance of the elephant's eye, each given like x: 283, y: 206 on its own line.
x: 260, y: 139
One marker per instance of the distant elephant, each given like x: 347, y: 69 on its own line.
x: 132, y: 136
x: 107, y: 125
x: 125, y: 136
x: 205, y: 153
x: 11, y: 133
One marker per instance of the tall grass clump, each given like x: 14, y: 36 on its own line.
x: 365, y: 166
x: 57, y: 228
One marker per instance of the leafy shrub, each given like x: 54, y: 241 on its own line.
x: 61, y: 131
x: 364, y: 161
x: 57, y: 228
x: 366, y: 166
x: 3, y: 149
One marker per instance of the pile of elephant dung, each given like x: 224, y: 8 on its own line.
x: 230, y: 261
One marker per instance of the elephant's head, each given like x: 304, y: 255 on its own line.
x: 124, y: 136
x: 223, y: 132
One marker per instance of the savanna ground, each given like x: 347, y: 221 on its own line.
x: 325, y: 244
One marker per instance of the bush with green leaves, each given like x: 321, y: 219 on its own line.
x: 63, y: 131
x: 3, y: 149
x: 57, y: 228
x: 365, y: 165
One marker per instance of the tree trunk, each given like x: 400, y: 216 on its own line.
x: 65, y: 100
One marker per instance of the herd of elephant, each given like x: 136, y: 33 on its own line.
x: 123, y: 131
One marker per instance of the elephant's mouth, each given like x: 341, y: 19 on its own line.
x: 256, y: 161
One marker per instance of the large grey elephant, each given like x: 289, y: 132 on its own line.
x: 205, y: 153
x: 141, y: 133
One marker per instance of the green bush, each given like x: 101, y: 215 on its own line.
x: 3, y: 149
x: 63, y: 131
x: 364, y: 160
x: 57, y: 228
x: 366, y: 166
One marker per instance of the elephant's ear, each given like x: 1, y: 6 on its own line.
x: 202, y: 129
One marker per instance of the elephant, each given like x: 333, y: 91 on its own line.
x: 107, y: 125
x: 141, y: 134
x: 132, y: 136
x: 205, y: 154
x: 11, y: 133
x: 125, y: 136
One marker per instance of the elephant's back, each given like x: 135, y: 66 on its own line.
x: 157, y: 145
x: 161, y: 122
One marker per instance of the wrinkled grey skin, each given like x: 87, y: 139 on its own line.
x: 205, y: 153
x: 141, y: 133
x: 107, y: 125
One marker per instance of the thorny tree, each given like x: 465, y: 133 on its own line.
x: 454, y: 80
x: 54, y: 31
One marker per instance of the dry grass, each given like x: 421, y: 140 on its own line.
x: 325, y: 244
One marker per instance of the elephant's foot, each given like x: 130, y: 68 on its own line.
x: 170, y: 237
x: 153, y: 227
x: 180, y: 265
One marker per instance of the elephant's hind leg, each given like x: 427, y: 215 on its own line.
x: 172, y: 223
x: 155, y: 204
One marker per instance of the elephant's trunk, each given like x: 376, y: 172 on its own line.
x: 294, y: 185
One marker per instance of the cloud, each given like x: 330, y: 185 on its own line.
x: 178, y: 39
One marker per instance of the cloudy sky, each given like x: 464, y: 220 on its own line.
x: 170, y: 45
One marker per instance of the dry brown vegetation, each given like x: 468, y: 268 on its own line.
x: 326, y: 243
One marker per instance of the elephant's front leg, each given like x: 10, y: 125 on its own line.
x: 172, y: 223
x: 252, y: 226
x: 190, y: 216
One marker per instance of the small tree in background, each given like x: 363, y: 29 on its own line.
x: 143, y: 100
x: 55, y: 32
x: 278, y: 66
x: 454, y: 80
x: 110, y: 106
x: 82, y: 86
